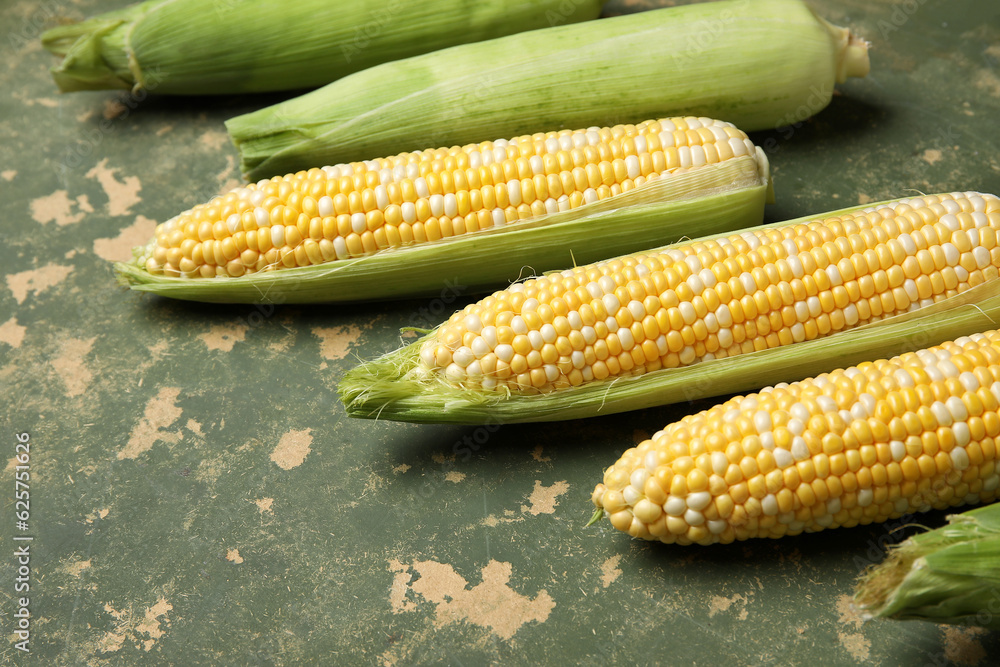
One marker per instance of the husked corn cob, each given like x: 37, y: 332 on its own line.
x: 326, y: 219
x: 190, y: 47
x: 713, y: 299
x: 759, y: 65
x: 865, y: 444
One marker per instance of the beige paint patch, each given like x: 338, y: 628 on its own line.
x: 233, y: 556
x: 334, y: 342
x: 931, y: 155
x: 75, y: 568
x: 536, y: 454
x: 113, y: 108
x: 986, y: 80
x: 961, y: 646
x: 719, y: 604
x: 123, y: 194
x: 264, y: 505
x: 399, y: 588
x: 863, y: 199
x: 223, y: 337
x: 491, y: 604
x: 58, y: 207
x: 142, y: 630
x: 855, y: 644
x: 454, y: 476
x: 213, y: 139
x: 8, y: 174
x: 292, y: 449
x: 161, y: 412
x: 544, y: 499
x: 69, y: 365
x: 847, y: 612
x: 101, y: 514
x: 119, y: 248
x: 36, y: 281
x: 47, y: 102
x: 401, y: 468
x: 194, y: 427
x: 610, y: 570
x: 12, y: 333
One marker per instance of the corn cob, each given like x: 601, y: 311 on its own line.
x: 758, y: 65
x: 475, y: 214
x: 947, y: 575
x: 184, y: 47
x: 866, y: 444
x: 715, y: 315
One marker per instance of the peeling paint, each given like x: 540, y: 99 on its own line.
x: 233, y: 556
x: 610, y: 570
x: 491, y: 604
x: 544, y: 499
x: 12, y: 333
x: 292, y: 449
x: 336, y: 341
x: 58, y: 207
x: 123, y: 194
x: 69, y: 365
x: 161, y: 412
x: 119, y: 248
x: 223, y: 337
x: 36, y: 281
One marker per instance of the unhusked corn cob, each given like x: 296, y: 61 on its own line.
x: 191, y: 47
x: 855, y: 446
x: 336, y: 215
x: 759, y: 65
x: 589, y: 336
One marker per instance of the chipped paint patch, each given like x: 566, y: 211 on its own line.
x: 264, y: 505
x: 931, y: 155
x: 113, y: 108
x: 610, y: 570
x: 12, y: 333
x: 143, y: 631
x: 399, y: 588
x: 544, y: 499
x: 123, y: 194
x: 233, y: 556
x: 75, y: 568
x: 492, y: 521
x: 400, y: 469
x: 454, y: 476
x: 69, y: 365
x: 847, y: 612
x: 336, y: 341
x: 161, y: 411
x: 719, y: 604
x: 223, y: 337
x: 985, y: 79
x: 8, y: 174
x: 119, y: 248
x: 213, y: 139
x: 855, y: 644
x: 961, y: 646
x: 863, y: 199
x: 36, y: 281
x: 58, y: 207
x: 194, y: 427
x: 536, y: 454
x: 491, y: 604
x: 292, y: 449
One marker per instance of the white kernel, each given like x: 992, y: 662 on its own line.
x: 408, y: 210
x: 637, y: 310
x: 825, y: 403
x: 514, y: 192
x: 574, y: 319
x: 769, y: 505
x: 421, y: 188
x: 340, y: 247
x: 262, y: 217
x: 504, y: 352
x: 962, y: 434
x: 454, y: 372
x: 782, y: 457
x: 639, y: 477
x: 693, y: 518
x: 631, y: 495
x: 800, y: 450
x: 551, y: 372
x: 762, y: 421
x: 799, y: 411
x: 450, y: 205
x: 278, y: 236
x: 766, y: 439
x: 699, y: 501
x: 674, y: 506
x: 724, y: 316
x: 957, y: 408
x: 719, y: 463
x: 625, y: 337
x: 865, y: 497
x: 589, y: 335
x: 611, y: 303
x: 535, y: 338
x: 463, y: 356
x: 959, y: 458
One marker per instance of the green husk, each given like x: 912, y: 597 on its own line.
x: 391, y: 387
x: 193, y: 47
x: 717, y: 197
x: 946, y: 575
x: 759, y: 65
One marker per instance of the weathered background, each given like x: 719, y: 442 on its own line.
x: 199, y: 497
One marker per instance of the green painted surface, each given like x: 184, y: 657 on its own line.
x: 199, y: 497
